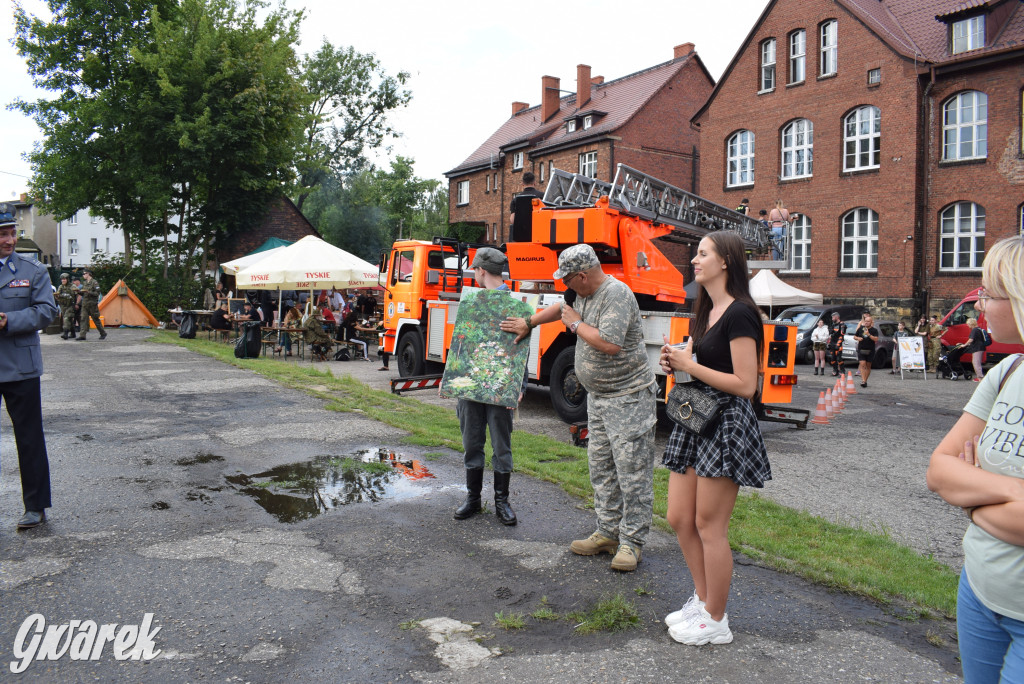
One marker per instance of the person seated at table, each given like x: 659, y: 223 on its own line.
x: 219, y: 320
x: 249, y: 313
x: 348, y: 331
x: 328, y: 318
x: 292, y: 319
x: 313, y: 332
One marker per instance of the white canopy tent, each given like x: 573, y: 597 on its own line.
x: 235, y: 265
x: 309, y: 264
x: 768, y: 290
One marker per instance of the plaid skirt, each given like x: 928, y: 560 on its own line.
x: 736, y: 450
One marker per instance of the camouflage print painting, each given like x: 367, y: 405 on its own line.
x: 484, y: 364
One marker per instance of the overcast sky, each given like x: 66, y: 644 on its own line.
x: 468, y: 60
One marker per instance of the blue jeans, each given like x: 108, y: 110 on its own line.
x: 991, y: 645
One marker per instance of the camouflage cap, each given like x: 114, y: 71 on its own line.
x: 86, y: 271
x: 64, y: 276
x: 576, y: 259
x: 491, y: 260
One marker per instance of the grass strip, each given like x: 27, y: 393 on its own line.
x: 845, y: 558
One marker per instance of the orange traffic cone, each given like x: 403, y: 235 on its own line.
x: 837, y: 403
x: 820, y: 413
x: 829, y: 412
x: 849, y: 383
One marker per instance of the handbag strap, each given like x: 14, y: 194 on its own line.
x: 1006, y: 376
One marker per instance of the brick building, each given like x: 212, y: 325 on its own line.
x: 640, y: 120
x: 892, y: 126
x: 281, y: 220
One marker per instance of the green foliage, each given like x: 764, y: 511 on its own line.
x: 510, y: 621
x: 611, y: 614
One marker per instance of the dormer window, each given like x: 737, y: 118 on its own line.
x: 570, y: 126
x: 588, y: 121
x: 969, y: 34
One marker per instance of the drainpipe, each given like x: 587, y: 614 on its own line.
x: 922, y: 248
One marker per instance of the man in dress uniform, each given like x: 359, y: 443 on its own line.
x: 26, y: 306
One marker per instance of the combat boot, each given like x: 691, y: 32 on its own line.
x: 501, y: 508
x: 81, y: 338
x: 64, y: 336
x: 593, y: 545
x: 474, y: 483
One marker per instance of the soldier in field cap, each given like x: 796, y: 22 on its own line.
x: 91, y: 294
x: 26, y: 306
x: 611, y: 363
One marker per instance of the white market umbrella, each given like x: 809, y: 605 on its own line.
x: 309, y: 264
x: 235, y: 265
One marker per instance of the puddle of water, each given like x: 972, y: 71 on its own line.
x: 300, y: 491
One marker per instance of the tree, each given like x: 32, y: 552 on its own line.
x: 350, y: 99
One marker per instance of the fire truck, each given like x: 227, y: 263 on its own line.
x: 624, y: 221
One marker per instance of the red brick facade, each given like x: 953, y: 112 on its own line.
x: 641, y: 120
x: 281, y: 220
x: 909, y: 186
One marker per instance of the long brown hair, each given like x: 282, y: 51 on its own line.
x: 729, y: 246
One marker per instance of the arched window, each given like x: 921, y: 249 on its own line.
x: 800, y: 243
x: 862, y: 131
x: 740, y: 156
x: 798, y: 149
x: 860, y: 240
x: 961, y: 236
x: 965, y: 126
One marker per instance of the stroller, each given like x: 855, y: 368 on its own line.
x: 949, y: 365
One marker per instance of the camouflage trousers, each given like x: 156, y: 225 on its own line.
x: 67, y: 317
x: 90, y: 310
x: 620, y: 454
x: 934, y: 349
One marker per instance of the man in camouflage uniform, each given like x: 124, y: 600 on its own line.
x: 611, y: 363
x: 313, y: 332
x: 91, y: 294
x: 66, y: 296
x: 933, y: 333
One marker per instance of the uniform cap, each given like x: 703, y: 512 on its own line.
x: 64, y: 276
x: 7, y: 214
x: 491, y: 260
x: 576, y: 259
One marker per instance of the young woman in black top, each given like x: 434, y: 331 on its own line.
x: 723, y: 357
x: 865, y: 336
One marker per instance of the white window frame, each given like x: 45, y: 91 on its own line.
x: 740, y: 159
x: 73, y: 219
x: 862, y: 134
x: 462, y: 193
x: 72, y: 247
x: 588, y: 164
x: 875, y: 76
x: 93, y: 218
x: 859, y: 235
x: 1020, y: 219
x: 968, y: 34
x: 962, y: 237
x: 768, y: 65
x: 965, y: 122
x: 106, y: 245
x: 540, y: 171
x: 829, y: 61
x: 800, y: 244
x: 798, y: 149
x: 94, y: 245
x: 798, y: 56
x: 517, y: 161
x: 488, y: 183
x: 570, y: 126
x: 588, y: 121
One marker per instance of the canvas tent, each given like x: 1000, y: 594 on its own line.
x: 768, y: 290
x: 120, y: 306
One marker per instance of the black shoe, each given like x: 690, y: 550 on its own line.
x: 64, y: 336
x: 835, y: 374
x: 80, y: 339
x: 501, y: 507
x: 103, y: 336
x: 474, y: 483
x: 31, y: 519
x: 863, y: 384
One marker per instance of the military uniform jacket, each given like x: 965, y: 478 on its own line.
x: 91, y: 292
x: 66, y: 295
x: 26, y: 297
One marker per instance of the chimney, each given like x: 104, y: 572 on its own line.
x: 518, y: 107
x: 597, y: 80
x: 682, y: 50
x: 550, y: 97
x: 582, y: 85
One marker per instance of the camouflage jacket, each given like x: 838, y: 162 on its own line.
x: 91, y: 292
x: 66, y: 295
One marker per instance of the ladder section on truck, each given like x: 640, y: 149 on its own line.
x: 638, y: 194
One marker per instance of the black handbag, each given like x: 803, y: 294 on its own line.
x: 693, y: 409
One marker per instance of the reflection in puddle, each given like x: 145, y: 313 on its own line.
x: 305, y: 490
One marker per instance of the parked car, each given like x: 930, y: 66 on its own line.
x: 958, y: 332
x: 883, y: 348
x: 806, y: 318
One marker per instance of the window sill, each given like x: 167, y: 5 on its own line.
x: 462, y: 204
x: 825, y: 77
x: 945, y: 163
x: 957, y: 271
x: 796, y: 179
x: 766, y: 91
x: 845, y: 173
x: 874, y: 85
x: 795, y: 84
x: 796, y: 274
x: 865, y: 272
x: 740, y: 186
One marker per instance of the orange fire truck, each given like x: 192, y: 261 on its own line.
x: 622, y: 221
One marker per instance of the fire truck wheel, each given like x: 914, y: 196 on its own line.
x: 568, y: 397
x: 409, y: 354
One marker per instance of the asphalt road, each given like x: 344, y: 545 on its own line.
x: 143, y: 439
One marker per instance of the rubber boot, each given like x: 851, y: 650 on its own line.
x: 501, y: 508
x: 474, y: 483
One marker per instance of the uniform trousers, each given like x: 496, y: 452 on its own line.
x: 474, y: 421
x: 22, y: 398
x: 620, y: 454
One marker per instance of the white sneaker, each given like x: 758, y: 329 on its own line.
x: 684, y: 614
x: 702, y: 630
